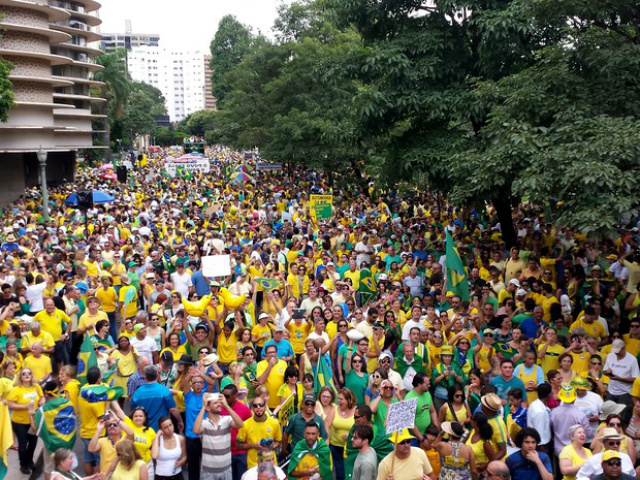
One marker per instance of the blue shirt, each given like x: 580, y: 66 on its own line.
x: 522, y: 469
x: 193, y: 405
x: 529, y: 327
x: 284, y: 348
x: 503, y: 387
x: 156, y: 400
x: 200, y: 283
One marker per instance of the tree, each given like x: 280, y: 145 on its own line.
x: 230, y: 44
x: 159, y: 102
x: 137, y: 118
x: 198, y: 123
x: 116, y: 89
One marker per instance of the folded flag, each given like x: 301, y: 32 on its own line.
x: 56, y: 423
x: 6, y: 438
x: 100, y: 393
x: 86, y: 359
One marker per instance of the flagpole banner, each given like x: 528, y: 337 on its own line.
x: 457, y: 281
x: 216, y: 266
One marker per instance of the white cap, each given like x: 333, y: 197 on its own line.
x: 514, y: 281
x: 617, y: 345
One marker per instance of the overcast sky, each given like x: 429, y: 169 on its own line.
x: 185, y: 24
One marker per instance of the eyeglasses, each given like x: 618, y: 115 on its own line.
x: 635, y: 326
x: 356, y: 361
x: 614, y: 463
x: 343, y: 325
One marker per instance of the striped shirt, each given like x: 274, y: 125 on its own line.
x: 216, y: 445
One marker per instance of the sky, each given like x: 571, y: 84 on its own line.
x: 185, y: 24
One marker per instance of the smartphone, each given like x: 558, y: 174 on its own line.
x: 106, y: 417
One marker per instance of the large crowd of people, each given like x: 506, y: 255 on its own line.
x: 289, y: 366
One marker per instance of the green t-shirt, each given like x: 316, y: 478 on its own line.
x: 423, y: 409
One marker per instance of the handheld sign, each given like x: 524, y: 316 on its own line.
x: 401, y: 415
x: 216, y: 266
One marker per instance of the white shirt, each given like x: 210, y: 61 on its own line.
x: 590, y: 404
x: 182, y: 283
x: 34, y: 295
x: 538, y: 418
x: 593, y: 466
x: 144, y: 347
x: 409, y: 324
x: 252, y: 474
x: 626, y: 367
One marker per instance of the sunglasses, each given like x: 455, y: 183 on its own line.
x: 111, y: 425
x: 258, y: 405
x: 615, y: 424
x: 356, y: 361
x: 613, y: 443
x: 613, y: 463
x: 488, y: 335
x: 387, y: 388
x: 385, y: 360
x: 458, y: 396
x: 405, y: 442
x: 596, y: 363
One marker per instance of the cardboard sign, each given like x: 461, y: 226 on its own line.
x: 322, y: 206
x: 216, y: 266
x: 401, y: 415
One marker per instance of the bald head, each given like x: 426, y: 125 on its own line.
x: 499, y: 469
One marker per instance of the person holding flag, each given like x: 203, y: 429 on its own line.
x: 311, y: 456
x: 457, y: 281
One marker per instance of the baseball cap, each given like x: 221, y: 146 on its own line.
x: 514, y: 281
x: 308, y: 398
x: 138, y: 327
x: 610, y: 454
x: 167, y: 357
x: 617, y: 346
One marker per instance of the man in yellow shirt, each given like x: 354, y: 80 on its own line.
x: 51, y: 319
x: 37, y: 335
x: 92, y: 316
x: 39, y: 364
x: 590, y: 324
x: 259, y: 430
x: 270, y: 373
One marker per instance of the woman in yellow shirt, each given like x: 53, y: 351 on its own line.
x: 340, y: 427
x: 143, y: 435
x: 25, y: 397
x: 126, y: 361
x: 261, y: 332
x: 575, y: 454
x: 173, y: 346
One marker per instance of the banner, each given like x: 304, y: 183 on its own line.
x: 265, y: 167
x: 287, y: 410
x: 321, y: 206
x: 216, y: 266
x: 200, y: 165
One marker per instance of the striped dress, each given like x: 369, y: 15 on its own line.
x: 216, y: 445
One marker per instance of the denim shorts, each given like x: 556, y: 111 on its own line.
x: 90, y: 457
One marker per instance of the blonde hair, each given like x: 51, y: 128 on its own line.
x: 127, y: 453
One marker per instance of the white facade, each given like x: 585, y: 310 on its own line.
x: 180, y: 76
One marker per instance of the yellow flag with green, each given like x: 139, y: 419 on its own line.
x: 457, y: 281
x: 86, y: 359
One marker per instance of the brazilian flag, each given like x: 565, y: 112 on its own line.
x: 268, y: 283
x: 367, y: 285
x: 457, y: 281
x: 56, y: 424
x: 228, y: 170
x: 184, y: 173
x: 323, y: 376
x: 6, y: 439
x: 101, y: 393
x: 86, y: 359
x: 505, y: 349
x: 107, y: 377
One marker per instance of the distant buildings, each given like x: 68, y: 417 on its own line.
x: 180, y: 76
x: 128, y: 40
x: 50, y: 45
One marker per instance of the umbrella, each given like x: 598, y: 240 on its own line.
x: 106, y: 166
x: 98, y: 197
x: 240, y: 177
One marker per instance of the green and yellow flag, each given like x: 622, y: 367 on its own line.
x: 101, y: 393
x: 323, y: 376
x: 367, y: 285
x: 86, y: 359
x: 56, y: 424
x: 184, y: 173
x: 457, y: 281
x: 6, y: 438
x: 507, y: 350
x: 268, y: 283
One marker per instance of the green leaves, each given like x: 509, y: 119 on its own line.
x: 6, y: 90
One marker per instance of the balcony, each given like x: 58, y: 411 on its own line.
x: 55, y: 14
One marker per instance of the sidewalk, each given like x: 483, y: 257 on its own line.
x: 13, y: 471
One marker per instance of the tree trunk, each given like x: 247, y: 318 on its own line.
x: 503, y: 209
x: 359, y: 177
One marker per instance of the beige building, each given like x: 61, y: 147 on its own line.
x: 51, y: 45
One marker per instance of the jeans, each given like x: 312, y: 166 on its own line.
x: 26, y: 444
x: 337, y: 454
x: 194, y: 456
x: 238, y: 465
x: 113, y: 326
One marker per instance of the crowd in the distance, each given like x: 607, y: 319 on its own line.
x: 288, y: 366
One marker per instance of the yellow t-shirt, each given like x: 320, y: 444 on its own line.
x: 580, y: 361
x: 41, y: 367
x: 227, y: 348
x: 87, y: 319
x: 550, y: 359
x: 132, y: 308
x: 45, y: 338
x: 142, y: 439
x: 355, y: 278
x: 108, y: 298
x: 298, y: 335
x: 632, y: 344
x: 89, y: 412
x: 52, y: 323
x: 177, y: 354
x: 22, y: 396
x: 569, y: 453
x: 258, y: 331
x: 274, y: 381
x: 594, y: 329
x: 107, y: 452
x: 253, y: 432
x: 308, y: 462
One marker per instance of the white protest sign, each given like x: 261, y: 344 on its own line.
x: 216, y: 266
x: 401, y: 415
x: 193, y: 166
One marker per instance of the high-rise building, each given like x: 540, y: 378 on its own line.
x: 49, y: 45
x: 178, y: 75
x: 128, y: 39
x: 209, y: 99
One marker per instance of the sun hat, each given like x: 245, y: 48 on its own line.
x: 581, y: 383
x: 209, y: 359
x: 491, y: 401
x: 610, y: 433
x: 453, y: 429
x: 185, y: 360
x: 567, y: 394
x: 446, y: 350
x: 610, y: 407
